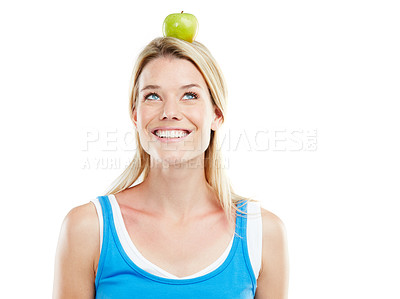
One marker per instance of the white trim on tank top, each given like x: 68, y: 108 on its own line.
x: 254, y: 241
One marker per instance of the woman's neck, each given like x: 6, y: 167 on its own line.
x: 178, y: 191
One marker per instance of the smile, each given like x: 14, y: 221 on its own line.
x: 171, y: 135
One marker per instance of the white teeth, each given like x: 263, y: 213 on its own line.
x: 171, y: 133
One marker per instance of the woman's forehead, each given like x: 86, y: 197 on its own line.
x: 167, y: 71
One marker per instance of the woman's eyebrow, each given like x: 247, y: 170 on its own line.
x: 190, y: 86
x: 150, y: 87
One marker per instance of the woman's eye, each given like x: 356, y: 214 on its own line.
x: 190, y: 96
x: 152, y: 96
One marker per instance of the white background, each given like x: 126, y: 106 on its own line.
x: 295, y: 69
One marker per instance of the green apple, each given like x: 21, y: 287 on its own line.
x: 181, y: 25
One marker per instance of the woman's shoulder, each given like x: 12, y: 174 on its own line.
x: 274, y: 242
x: 81, y: 227
x: 273, y: 228
x: 274, y: 272
x: 82, y: 217
x: 271, y: 222
x: 77, y: 251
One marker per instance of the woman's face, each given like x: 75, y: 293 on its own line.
x: 174, y: 114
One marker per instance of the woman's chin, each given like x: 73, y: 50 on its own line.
x: 176, y: 161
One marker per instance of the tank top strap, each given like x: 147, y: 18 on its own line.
x: 107, y: 221
x: 242, y: 231
x: 241, y: 223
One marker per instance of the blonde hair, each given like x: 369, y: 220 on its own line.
x: 200, y: 56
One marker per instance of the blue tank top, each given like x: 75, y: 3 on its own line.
x: 118, y: 277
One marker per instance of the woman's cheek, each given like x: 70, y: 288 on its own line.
x: 147, y: 113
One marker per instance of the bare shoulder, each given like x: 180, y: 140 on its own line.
x: 82, y: 217
x: 272, y: 225
x: 273, y: 235
x: 81, y: 230
x: 274, y: 274
x: 77, y: 252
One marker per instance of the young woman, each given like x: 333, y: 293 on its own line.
x: 172, y: 227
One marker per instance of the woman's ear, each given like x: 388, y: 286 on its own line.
x: 134, y: 117
x: 217, y: 120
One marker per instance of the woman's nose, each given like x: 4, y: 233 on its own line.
x: 171, y: 110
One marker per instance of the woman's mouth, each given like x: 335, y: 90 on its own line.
x: 171, y: 135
